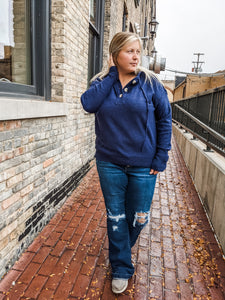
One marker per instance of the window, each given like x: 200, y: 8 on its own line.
x: 96, y: 31
x: 25, y: 47
x: 137, y: 2
x: 125, y: 17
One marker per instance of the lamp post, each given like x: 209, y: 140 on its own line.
x: 153, y: 26
x: 151, y: 60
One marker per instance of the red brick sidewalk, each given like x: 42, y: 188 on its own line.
x: 176, y: 256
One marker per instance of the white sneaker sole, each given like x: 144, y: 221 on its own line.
x: 115, y: 291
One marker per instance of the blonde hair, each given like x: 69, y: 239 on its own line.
x: 117, y: 43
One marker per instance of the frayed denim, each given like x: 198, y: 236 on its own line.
x: 128, y: 193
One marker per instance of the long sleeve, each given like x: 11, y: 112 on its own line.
x: 98, y: 91
x: 163, y: 126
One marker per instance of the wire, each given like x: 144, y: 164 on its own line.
x: 196, y: 74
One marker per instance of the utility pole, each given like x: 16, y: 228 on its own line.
x: 198, y: 64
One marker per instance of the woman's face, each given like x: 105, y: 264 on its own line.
x: 128, y: 58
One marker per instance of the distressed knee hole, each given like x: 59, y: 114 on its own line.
x: 115, y: 218
x: 115, y: 228
x: 141, y: 218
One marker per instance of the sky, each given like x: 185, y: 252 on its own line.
x: 187, y: 27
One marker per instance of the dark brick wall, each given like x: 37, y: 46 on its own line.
x: 51, y: 200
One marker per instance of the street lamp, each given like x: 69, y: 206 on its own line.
x: 153, y: 26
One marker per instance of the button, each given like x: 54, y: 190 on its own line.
x: 121, y: 95
x: 126, y: 89
x: 134, y: 81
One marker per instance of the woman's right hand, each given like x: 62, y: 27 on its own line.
x: 110, y: 61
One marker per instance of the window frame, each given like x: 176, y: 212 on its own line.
x: 97, y: 31
x: 125, y: 17
x: 40, y: 52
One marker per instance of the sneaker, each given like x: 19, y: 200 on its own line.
x: 119, y: 285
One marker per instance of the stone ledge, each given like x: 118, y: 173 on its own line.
x: 207, y: 170
x: 16, y: 109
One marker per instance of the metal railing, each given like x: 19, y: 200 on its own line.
x: 204, y: 116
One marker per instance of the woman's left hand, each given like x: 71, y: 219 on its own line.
x: 153, y: 172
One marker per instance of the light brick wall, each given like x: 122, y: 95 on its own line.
x: 38, y: 155
x: 42, y: 159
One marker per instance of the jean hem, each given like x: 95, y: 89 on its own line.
x: 125, y: 277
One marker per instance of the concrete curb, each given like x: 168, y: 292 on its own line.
x: 208, y: 173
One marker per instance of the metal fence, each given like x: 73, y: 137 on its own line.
x: 204, y: 116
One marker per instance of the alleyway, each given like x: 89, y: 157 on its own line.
x: 176, y: 256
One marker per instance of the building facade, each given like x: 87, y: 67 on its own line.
x: 169, y: 86
x: 48, y: 52
x: 194, y: 84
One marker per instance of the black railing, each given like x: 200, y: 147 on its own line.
x: 204, y: 116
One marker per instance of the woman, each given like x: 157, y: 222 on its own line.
x: 133, y: 132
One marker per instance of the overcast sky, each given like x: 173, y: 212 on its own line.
x: 191, y: 26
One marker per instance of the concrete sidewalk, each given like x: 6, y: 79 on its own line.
x: 176, y: 256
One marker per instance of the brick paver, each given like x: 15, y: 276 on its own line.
x: 176, y: 256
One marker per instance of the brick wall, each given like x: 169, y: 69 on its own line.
x: 42, y: 160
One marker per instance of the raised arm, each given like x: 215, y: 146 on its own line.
x: 98, y: 91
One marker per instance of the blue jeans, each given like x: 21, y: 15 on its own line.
x: 128, y: 193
